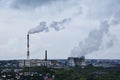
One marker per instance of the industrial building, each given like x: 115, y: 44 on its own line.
x: 76, y: 61
x: 60, y: 63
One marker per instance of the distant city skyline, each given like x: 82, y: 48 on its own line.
x: 89, y: 28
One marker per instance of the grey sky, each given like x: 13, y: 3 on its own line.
x: 17, y: 17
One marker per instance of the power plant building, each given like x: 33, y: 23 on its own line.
x: 58, y: 63
x: 76, y: 61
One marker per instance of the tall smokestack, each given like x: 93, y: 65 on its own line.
x: 28, y: 54
x: 45, y: 55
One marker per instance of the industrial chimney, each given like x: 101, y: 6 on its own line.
x: 45, y: 55
x: 28, y: 54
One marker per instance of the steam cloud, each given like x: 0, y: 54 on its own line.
x: 95, y: 38
x: 60, y: 25
x: 93, y: 41
x: 40, y: 28
x: 56, y: 25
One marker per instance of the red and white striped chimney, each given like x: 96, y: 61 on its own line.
x: 28, y: 54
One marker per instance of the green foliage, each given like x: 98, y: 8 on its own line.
x: 76, y: 73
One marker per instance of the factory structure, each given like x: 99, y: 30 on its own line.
x: 58, y: 63
x: 28, y: 54
x: 61, y: 63
x: 71, y: 61
x: 55, y: 63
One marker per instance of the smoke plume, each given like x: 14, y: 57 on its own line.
x: 40, y: 28
x: 60, y: 25
x: 93, y: 41
x: 56, y: 25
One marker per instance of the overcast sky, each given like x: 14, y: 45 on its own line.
x: 94, y: 23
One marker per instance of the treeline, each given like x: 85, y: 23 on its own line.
x: 75, y: 73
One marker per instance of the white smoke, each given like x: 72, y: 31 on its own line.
x: 92, y: 42
x: 60, y: 25
x: 108, y: 41
x: 56, y: 25
x: 40, y: 28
